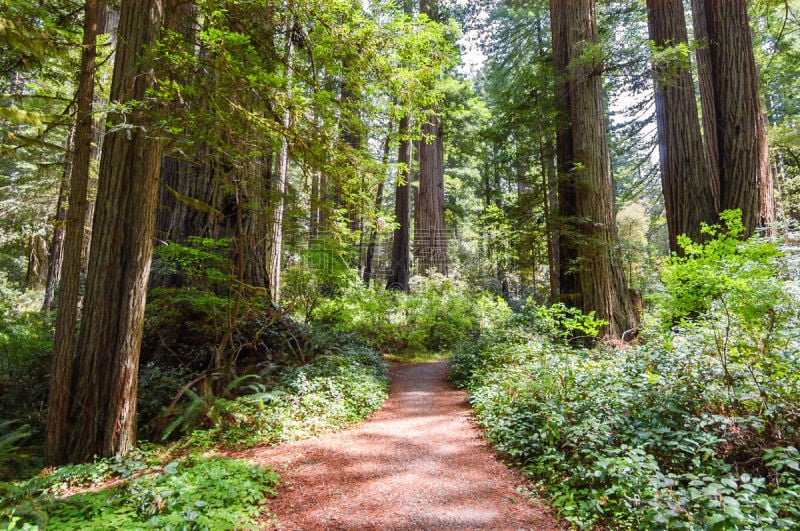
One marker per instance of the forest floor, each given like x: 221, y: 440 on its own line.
x: 419, y: 462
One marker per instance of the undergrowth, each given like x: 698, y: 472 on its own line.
x: 195, y: 493
x: 695, y: 427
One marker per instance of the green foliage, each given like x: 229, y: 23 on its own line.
x: 334, y: 390
x: 724, y: 269
x: 26, y: 343
x: 203, y: 263
x: 11, y: 433
x: 633, y: 438
x: 436, y: 316
x: 195, y: 493
x: 731, y: 303
x: 697, y: 428
x: 558, y: 322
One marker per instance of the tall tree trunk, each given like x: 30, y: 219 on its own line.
x: 56, y: 260
x: 565, y: 226
x: 601, y: 277
x: 107, y: 21
x: 373, y: 232
x: 705, y: 79
x: 549, y: 198
x: 685, y: 180
x: 430, y: 238
x: 63, y: 364
x: 730, y: 95
x: 102, y: 412
x: 276, y: 228
x: 401, y: 241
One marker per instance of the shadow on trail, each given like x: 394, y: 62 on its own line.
x: 419, y: 462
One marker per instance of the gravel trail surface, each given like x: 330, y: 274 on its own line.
x: 417, y: 463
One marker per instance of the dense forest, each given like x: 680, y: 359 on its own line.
x: 220, y: 219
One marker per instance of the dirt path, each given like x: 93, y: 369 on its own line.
x: 419, y: 462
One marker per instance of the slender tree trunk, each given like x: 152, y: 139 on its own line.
x: 731, y: 101
x: 63, y: 364
x: 401, y: 242
x: 59, y: 230
x: 276, y: 228
x: 549, y: 198
x: 685, y: 181
x: 373, y: 234
x: 107, y: 21
x: 102, y: 412
x: 601, y: 277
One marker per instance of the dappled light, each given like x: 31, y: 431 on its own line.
x: 245, y: 245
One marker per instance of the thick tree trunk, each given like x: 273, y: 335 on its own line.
x: 102, y: 412
x: 430, y: 236
x: 565, y: 223
x: 685, y: 180
x: 63, y: 364
x: 705, y: 79
x: 603, y: 286
x: 401, y: 242
x: 731, y: 98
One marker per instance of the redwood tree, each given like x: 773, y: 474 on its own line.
x: 733, y: 120
x: 101, y: 417
x: 63, y: 362
x: 598, y: 267
x: 400, y: 267
x: 430, y: 241
x: 685, y: 178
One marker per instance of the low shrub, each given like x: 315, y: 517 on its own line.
x: 436, y: 316
x: 336, y: 389
x: 195, y: 493
x: 641, y: 437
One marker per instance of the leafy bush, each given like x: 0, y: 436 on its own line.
x: 196, y: 493
x: 436, y: 316
x: 634, y: 438
x: 26, y: 345
x: 697, y: 428
x: 334, y: 390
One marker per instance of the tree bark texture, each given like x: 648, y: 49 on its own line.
x: 705, y: 80
x: 567, y: 284
x: 738, y: 123
x: 210, y: 196
x: 63, y: 364
x: 59, y: 230
x: 430, y: 234
x: 685, y: 178
x: 601, y: 277
x: 102, y: 412
x: 401, y: 242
